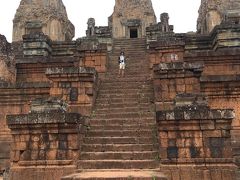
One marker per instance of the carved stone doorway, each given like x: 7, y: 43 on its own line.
x: 133, y: 33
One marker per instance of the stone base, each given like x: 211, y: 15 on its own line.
x: 118, y: 174
x: 40, y: 172
x: 200, y: 172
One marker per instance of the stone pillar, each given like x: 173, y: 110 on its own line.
x: 46, y: 142
x: 195, y: 141
x: 77, y: 86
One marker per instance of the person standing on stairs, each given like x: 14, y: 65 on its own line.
x: 122, y: 64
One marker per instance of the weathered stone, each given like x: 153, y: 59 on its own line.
x: 46, y: 16
x: 49, y: 145
x: 7, y: 61
x: 36, y: 44
x: 212, y: 13
x: 131, y: 17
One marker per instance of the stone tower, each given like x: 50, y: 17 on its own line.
x: 48, y: 16
x: 131, y: 17
x: 213, y: 12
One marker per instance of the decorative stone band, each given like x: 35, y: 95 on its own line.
x: 163, y: 67
x: 53, y: 117
x: 177, y: 70
x: 71, y: 70
x: 195, y: 113
x: 85, y: 73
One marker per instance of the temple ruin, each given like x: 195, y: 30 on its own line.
x: 49, y: 17
x: 66, y: 115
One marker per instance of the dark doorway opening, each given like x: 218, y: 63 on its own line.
x: 133, y: 33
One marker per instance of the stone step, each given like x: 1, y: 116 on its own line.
x: 124, y: 115
x: 123, y: 109
x: 137, y: 97
x: 118, y: 147
x: 118, y: 140
x: 123, y: 127
x: 120, y: 121
x: 120, y: 133
x: 130, y: 93
x: 114, y: 90
x: 126, y: 80
x: 126, y: 155
x: 123, y: 105
x: 115, y: 100
x: 107, y: 84
x: 117, y: 164
x: 117, y: 174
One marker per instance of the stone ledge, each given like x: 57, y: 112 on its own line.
x: 46, y: 163
x: 56, y: 117
x: 195, y: 113
x: 73, y: 70
x: 198, y: 160
x: 38, y: 36
x: 220, y: 78
x: 197, y: 66
x: 24, y: 85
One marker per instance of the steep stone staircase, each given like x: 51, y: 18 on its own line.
x: 122, y: 142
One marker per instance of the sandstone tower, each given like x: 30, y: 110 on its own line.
x: 131, y: 17
x: 48, y: 16
x: 213, y: 12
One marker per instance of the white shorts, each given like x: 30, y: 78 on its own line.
x: 122, y: 66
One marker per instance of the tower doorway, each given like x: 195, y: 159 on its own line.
x: 133, y: 33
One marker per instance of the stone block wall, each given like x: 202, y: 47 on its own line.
x: 95, y: 60
x: 223, y: 92
x: 217, y: 81
x: 33, y: 69
x: 196, y: 136
x: 166, y: 50
x: 45, y: 144
x: 171, y: 79
x: 15, y: 99
x: 77, y: 86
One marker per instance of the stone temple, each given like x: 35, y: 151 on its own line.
x: 66, y: 115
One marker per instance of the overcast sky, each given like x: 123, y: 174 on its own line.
x: 183, y: 13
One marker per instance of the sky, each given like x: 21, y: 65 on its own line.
x: 183, y: 14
